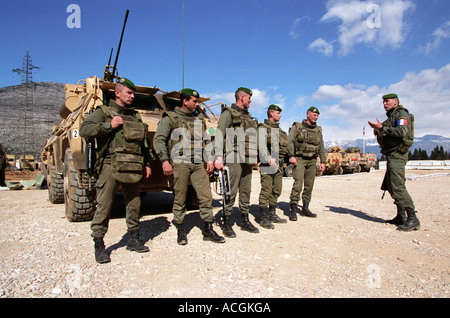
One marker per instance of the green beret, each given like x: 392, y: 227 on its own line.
x: 314, y: 110
x: 275, y: 107
x: 390, y: 96
x: 190, y: 91
x: 126, y: 82
x: 244, y: 89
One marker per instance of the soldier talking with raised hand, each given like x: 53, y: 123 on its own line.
x: 305, y: 145
x: 123, y: 156
x: 271, y: 175
x: 235, y: 126
x: 185, y: 121
x: 395, y: 135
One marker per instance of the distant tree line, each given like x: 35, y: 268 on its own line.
x: 437, y: 153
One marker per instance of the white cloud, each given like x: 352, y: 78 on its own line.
x: 321, y: 46
x: 442, y: 32
x: 260, y: 101
x: 346, y: 109
x: 300, y: 101
x: 295, y: 32
x: 378, y: 24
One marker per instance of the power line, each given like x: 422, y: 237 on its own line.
x: 27, y: 86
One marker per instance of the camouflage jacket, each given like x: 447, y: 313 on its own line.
x: 397, y: 131
x: 98, y: 125
x: 181, y: 118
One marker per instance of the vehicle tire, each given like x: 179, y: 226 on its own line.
x: 55, y: 186
x: 80, y: 202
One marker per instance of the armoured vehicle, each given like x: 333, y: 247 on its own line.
x: 333, y: 165
x: 64, y: 156
x: 350, y: 160
x: 367, y: 161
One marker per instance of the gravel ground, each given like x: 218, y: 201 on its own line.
x: 347, y: 251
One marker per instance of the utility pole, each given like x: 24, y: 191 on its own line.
x: 27, y: 84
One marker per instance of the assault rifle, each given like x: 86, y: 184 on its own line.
x: 225, y: 185
x: 90, y: 159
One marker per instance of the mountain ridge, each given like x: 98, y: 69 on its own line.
x: 427, y: 142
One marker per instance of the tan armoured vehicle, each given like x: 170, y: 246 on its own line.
x: 350, y: 160
x: 367, y: 161
x: 333, y: 165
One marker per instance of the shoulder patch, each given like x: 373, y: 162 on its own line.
x: 402, y: 122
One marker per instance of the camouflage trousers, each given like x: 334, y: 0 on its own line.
x: 304, y: 175
x: 395, y: 179
x: 106, y: 188
x: 240, y: 179
x: 271, y: 187
x: 196, y: 174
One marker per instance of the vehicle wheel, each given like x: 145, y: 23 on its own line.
x: 80, y: 202
x: 55, y: 186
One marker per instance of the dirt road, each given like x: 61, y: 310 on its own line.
x: 347, y: 251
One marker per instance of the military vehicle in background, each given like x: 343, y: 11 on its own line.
x: 367, y: 161
x: 333, y: 165
x: 29, y: 163
x: 350, y: 160
x: 64, y: 157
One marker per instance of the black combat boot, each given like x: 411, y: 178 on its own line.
x: 265, y: 222
x: 210, y: 235
x: 226, y: 228
x: 246, y: 225
x: 306, y: 212
x: 273, y: 217
x: 400, y: 219
x: 293, y: 212
x: 101, y: 256
x: 412, y: 223
x: 135, y: 243
x: 181, y: 234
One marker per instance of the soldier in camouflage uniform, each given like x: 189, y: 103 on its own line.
x: 395, y: 135
x: 187, y: 122
x: 235, y: 120
x: 106, y: 124
x: 271, y: 176
x: 305, y: 145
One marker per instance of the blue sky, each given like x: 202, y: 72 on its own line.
x: 340, y: 56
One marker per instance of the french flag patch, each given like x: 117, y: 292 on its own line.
x: 402, y: 122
